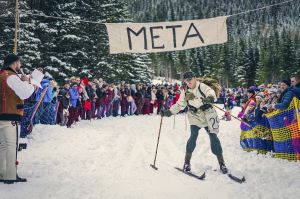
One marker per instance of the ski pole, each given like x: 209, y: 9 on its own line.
x: 232, y: 116
x: 153, y: 165
x: 35, y: 109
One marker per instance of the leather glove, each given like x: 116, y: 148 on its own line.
x: 208, y: 100
x: 204, y: 107
x: 189, y: 96
x: 166, y: 113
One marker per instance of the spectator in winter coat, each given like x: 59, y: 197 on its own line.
x: 97, y: 100
x: 139, y: 97
x: 93, y: 101
x: 238, y: 99
x: 44, y: 111
x: 133, y: 89
x: 272, y: 99
x: 80, y: 109
x: 88, y: 96
x: 228, y: 106
x: 295, y: 82
x: 116, y: 99
x: 248, y: 109
x: 101, y: 94
x: 64, y: 102
x: 74, y: 96
x: 153, y: 99
x: 48, y: 96
x: 62, y: 91
x: 286, y: 96
x: 109, y: 101
x: 258, y: 112
x: 160, y: 99
x: 131, y: 109
x: 125, y: 92
x: 228, y: 103
x: 54, y: 89
x: 147, y: 100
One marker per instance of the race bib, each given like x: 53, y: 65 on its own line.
x: 212, y: 119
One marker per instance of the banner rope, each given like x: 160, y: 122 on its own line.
x: 99, y: 22
x: 261, y: 8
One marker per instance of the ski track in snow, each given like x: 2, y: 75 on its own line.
x: 110, y: 158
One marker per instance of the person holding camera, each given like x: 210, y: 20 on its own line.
x: 13, y: 90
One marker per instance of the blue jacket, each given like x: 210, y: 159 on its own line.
x: 285, y: 100
x: 230, y: 103
x: 48, y: 96
x: 296, y: 91
x: 74, y: 96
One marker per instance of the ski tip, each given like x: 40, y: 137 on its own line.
x: 243, y: 179
x: 200, y: 177
x: 203, y: 176
x: 236, y: 179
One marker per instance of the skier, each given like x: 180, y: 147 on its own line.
x: 198, y: 98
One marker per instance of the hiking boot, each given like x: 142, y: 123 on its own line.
x: 223, y: 167
x: 186, y: 167
x: 18, y: 179
x: 187, y: 162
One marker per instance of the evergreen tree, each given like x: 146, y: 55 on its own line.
x: 261, y: 29
x: 68, y: 48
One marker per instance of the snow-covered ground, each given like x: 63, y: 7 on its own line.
x: 110, y: 159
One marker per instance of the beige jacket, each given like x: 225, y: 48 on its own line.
x: 197, y: 118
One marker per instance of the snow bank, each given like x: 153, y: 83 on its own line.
x: 110, y: 158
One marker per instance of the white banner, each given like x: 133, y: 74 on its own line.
x: 166, y: 36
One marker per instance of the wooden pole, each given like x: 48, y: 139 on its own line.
x: 153, y: 165
x: 17, y: 18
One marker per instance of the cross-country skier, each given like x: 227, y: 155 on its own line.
x: 201, y: 114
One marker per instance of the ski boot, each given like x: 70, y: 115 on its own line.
x: 187, y: 164
x: 223, y: 167
x: 18, y: 179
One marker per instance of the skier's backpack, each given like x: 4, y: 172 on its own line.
x: 212, y: 83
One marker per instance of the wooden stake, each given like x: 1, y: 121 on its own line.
x: 17, y: 18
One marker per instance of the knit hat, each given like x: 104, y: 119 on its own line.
x: 251, y: 91
x: 188, y: 75
x: 10, y: 59
x: 287, y: 82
